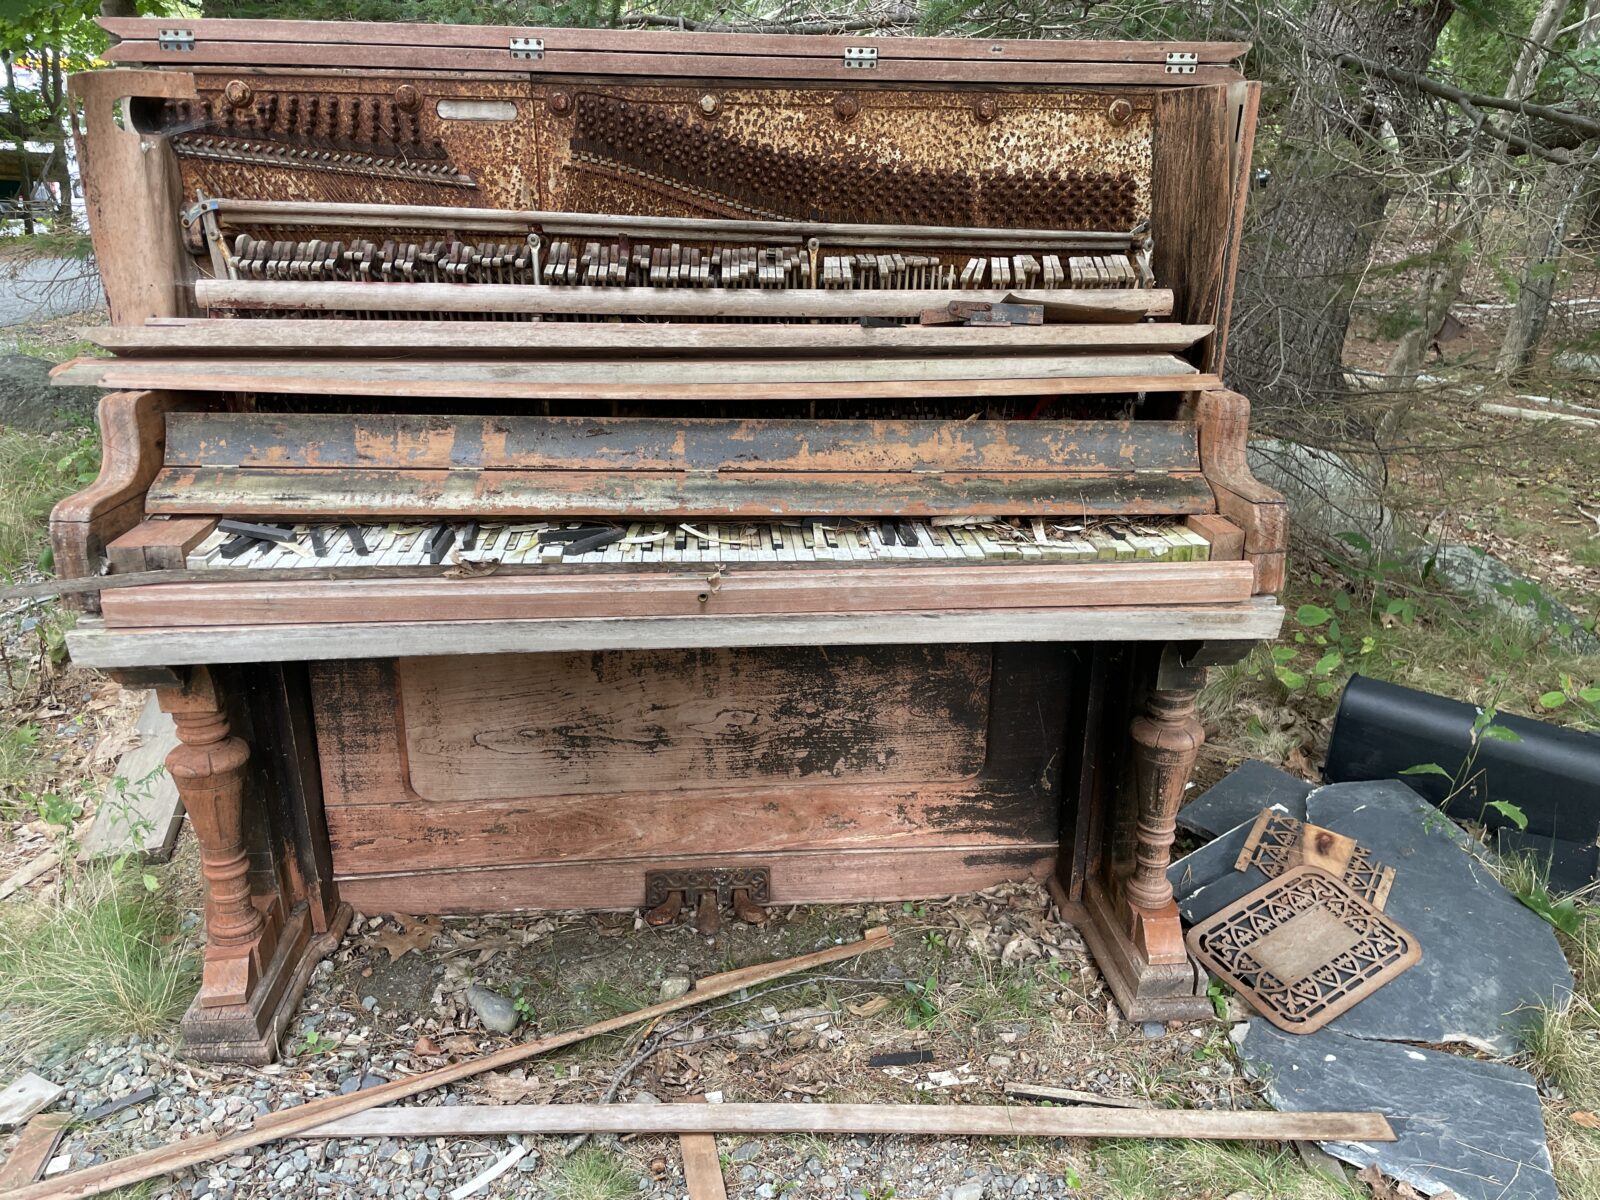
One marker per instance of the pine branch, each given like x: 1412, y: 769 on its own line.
x: 892, y: 19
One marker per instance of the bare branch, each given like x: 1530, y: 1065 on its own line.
x: 892, y: 19
x: 1588, y: 126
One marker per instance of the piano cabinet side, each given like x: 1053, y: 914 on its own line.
x: 245, y: 768
x: 1223, y: 420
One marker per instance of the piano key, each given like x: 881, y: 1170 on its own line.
x: 267, y: 533
x: 440, y: 540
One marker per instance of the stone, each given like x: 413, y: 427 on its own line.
x: 498, y: 1013
x: 1153, y: 1030
x: 1571, y: 361
x: 1466, y: 1126
x: 1204, y: 881
x: 747, y: 1152
x: 970, y: 1189
x: 674, y: 986
x: 1326, y: 492
x: 27, y: 401
x: 1240, y: 795
x: 1485, y: 579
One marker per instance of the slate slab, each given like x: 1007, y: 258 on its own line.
x: 1240, y: 795
x: 1487, y: 959
x: 26, y: 1095
x: 1469, y: 1127
x: 1205, y: 882
x: 144, y: 816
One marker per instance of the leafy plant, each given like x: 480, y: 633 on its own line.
x: 316, y: 1043
x: 921, y: 1009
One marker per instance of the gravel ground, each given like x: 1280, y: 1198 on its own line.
x: 991, y: 987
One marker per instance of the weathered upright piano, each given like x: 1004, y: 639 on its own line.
x: 553, y: 469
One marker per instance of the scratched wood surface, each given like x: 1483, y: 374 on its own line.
x: 550, y: 725
x: 529, y: 443
x: 222, y: 335
x: 258, y: 598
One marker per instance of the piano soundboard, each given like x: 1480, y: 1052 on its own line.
x: 901, y: 541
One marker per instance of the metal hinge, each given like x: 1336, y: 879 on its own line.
x: 176, y: 39
x: 526, y: 48
x: 1182, y: 63
x: 864, y: 57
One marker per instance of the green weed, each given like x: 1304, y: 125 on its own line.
x: 36, y: 470
x: 592, y: 1174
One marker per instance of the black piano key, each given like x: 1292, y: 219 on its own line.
x: 236, y: 546
x: 593, y: 542
x: 439, y: 542
x: 680, y: 540
x: 319, y: 542
x: 908, y: 535
x: 263, y: 533
x: 358, y: 543
x: 886, y: 530
x: 469, y: 536
x: 547, y: 536
x: 777, y: 536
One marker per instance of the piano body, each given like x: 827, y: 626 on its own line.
x: 552, y: 469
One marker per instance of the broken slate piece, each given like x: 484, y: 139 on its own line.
x: 1237, y: 797
x: 1464, y: 1126
x: 26, y: 1095
x: 1207, y: 880
x: 1487, y: 962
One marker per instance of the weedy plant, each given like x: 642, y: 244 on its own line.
x: 592, y: 1174
x: 94, y: 957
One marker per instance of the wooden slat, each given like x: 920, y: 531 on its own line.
x: 888, y: 70
x: 246, y: 337
x: 436, y: 379
x: 258, y: 600
x: 929, y: 1120
x: 379, y: 441
x: 1089, y: 304
x: 93, y: 644
x: 227, y: 491
x: 802, y: 877
x: 372, y: 33
x: 158, y: 545
x: 33, y: 1150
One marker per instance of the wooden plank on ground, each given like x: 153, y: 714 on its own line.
x: 927, y: 1120
x: 40, y: 866
x: 292, y: 1122
x: 791, y: 304
x: 93, y: 644
x: 33, y: 1150
x: 175, y: 336
x: 144, y: 816
x: 702, y: 1168
x: 26, y: 1095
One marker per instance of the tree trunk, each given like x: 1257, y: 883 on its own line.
x: 1312, y: 229
x: 119, y: 8
x: 1550, y: 206
x: 1452, y: 254
x: 24, y: 175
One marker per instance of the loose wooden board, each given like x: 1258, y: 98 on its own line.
x: 142, y: 818
x: 38, y: 1142
x: 926, y: 1120
x: 26, y: 1095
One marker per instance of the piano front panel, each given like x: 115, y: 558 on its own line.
x: 556, y: 781
x: 1051, y: 159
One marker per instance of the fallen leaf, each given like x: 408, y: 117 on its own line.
x: 513, y: 1087
x: 425, y: 1046
x: 869, y: 1007
x: 410, y: 936
x: 460, y: 1044
x: 1588, y: 1120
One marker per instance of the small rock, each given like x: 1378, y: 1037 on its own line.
x: 497, y: 1012
x: 370, y: 1003
x: 1153, y: 1030
x: 747, y: 1152
x: 972, y: 1189
x: 674, y: 986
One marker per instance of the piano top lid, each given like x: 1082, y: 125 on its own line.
x: 179, y: 41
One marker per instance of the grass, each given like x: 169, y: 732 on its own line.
x: 1161, y: 1170
x: 592, y: 1174
x: 94, y: 957
x: 36, y: 470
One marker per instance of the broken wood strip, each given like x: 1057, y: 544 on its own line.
x: 257, y: 598
x: 41, y: 865
x: 1089, y: 304
x: 927, y: 1120
x: 223, y: 335
x: 702, y: 1168
x: 213, y: 29
x: 292, y: 1122
x: 521, y: 442
x: 93, y: 644
x: 1040, y: 1091
x: 628, y: 495
x: 435, y: 379
x: 38, y: 1142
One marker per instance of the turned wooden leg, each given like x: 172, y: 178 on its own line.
x: 1167, y: 738
x: 207, y: 768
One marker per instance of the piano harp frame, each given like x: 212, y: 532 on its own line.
x: 875, y: 753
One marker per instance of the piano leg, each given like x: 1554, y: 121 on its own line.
x: 1132, y: 919
x: 260, y: 944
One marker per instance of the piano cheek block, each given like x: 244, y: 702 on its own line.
x: 860, y: 536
